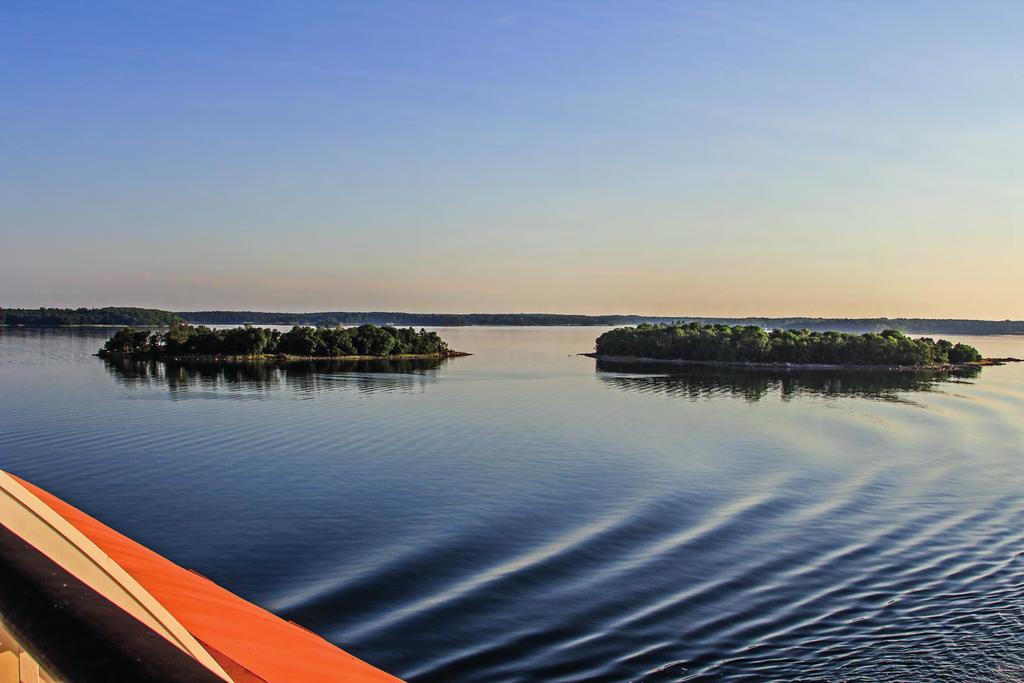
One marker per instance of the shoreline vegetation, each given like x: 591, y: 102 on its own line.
x: 148, y: 317
x: 112, y: 316
x: 626, y: 360
x: 753, y: 347
x: 184, y: 342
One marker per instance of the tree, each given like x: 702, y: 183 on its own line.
x: 371, y: 340
x: 962, y: 353
x: 129, y: 341
x: 301, y: 341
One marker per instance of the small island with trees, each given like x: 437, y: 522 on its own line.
x: 181, y: 341
x: 751, y: 345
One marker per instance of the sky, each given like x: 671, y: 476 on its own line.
x: 695, y: 157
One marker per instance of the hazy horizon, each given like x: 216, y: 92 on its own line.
x: 765, y: 158
x: 677, y: 315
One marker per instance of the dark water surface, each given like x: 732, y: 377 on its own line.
x: 521, y: 515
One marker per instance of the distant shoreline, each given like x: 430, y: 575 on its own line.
x: 148, y: 317
x: 73, y: 326
x: 21, y: 326
x: 985, y: 362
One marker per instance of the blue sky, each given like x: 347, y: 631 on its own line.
x: 821, y: 158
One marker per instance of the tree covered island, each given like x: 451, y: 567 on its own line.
x: 181, y: 340
x: 751, y: 344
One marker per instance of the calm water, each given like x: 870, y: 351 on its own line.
x: 522, y: 515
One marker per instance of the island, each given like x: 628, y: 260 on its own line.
x: 752, y: 345
x: 181, y: 341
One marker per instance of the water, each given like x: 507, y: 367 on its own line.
x: 518, y: 515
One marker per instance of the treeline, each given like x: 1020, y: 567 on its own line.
x: 181, y: 339
x: 58, y: 317
x: 397, y: 318
x: 752, y: 344
x: 878, y: 325
x: 858, y: 325
x: 148, y: 317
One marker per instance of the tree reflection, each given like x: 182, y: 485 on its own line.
x: 753, y: 384
x: 300, y: 376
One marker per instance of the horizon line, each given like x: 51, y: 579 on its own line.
x: 537, y: 313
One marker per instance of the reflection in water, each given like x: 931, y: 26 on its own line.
x: 301, y: 376
x: 698, y: 382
